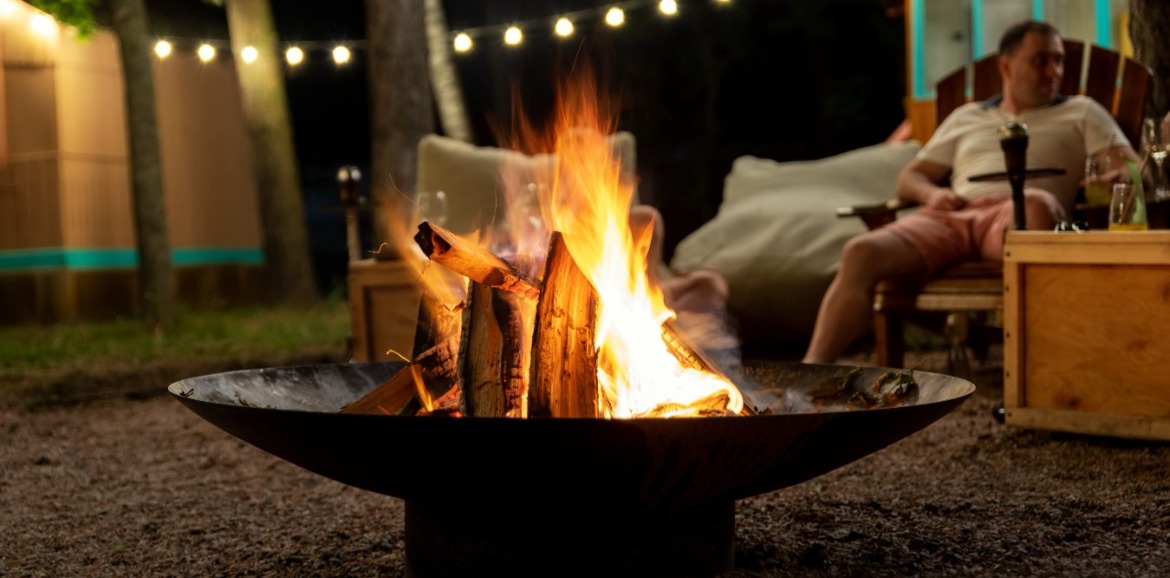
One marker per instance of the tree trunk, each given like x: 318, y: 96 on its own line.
x: 156, y: 279
x: 286, y: 239
x: 1149, y: 20
x: 400, y: 103
x: 444, y: 77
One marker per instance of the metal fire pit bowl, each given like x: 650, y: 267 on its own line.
x: 556, y: 496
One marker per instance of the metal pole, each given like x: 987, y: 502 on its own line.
x: 348, y: 178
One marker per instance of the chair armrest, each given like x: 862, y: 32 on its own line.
x: 877, y: 215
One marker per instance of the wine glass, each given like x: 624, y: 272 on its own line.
x: 1156, y: 148
x: 429, y: 206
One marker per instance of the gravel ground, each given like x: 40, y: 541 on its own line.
x: 139, y: 486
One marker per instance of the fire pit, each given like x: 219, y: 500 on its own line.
x: 562, y: 496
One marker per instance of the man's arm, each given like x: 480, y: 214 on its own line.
x: 921, y: 181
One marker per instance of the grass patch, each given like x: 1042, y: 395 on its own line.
x: 238, y: 336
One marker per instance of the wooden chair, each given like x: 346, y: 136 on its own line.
x: 975, y: 289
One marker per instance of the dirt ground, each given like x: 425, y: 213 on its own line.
x: 137, y: 485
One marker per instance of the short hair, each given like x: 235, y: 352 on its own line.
x: 1013, y: 37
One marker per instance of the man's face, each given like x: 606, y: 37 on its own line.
x: 1034, y: 72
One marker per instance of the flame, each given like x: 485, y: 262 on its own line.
x: 589, y: 202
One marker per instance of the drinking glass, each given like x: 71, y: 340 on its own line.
x: 1097, y: 189
x: 1156, y: 148
x: 1127, y: 208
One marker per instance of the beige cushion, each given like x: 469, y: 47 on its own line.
x: 475, y: 178
x: 777, y: 239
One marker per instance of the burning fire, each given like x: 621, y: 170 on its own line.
x: 588, y: 202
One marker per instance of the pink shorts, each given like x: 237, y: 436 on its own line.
x: 943, y: 237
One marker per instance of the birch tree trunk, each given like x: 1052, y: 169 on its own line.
x: 282, y: 214
x: 401, y: 110
x: 444, y: 78
x: 156, y: 279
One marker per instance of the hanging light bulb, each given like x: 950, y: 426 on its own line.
x: 564, y: 27
x: 249, y: 54
x: 341, y: 55
x: 294, y: 55
x: 668, y: 7
x: 513, y: 36
x: 462, y: 42
x: 162, y: 48
x: 615, y: 17
x: 206, y: 52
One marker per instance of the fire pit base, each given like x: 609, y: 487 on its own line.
x: 613, y: 540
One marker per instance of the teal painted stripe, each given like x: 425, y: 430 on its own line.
x: 59, y: 257
x: 1037, y: 9
x: 917, y: 54
x: 1103, y: 20
x: 976, y: 29
x: 216, y: 255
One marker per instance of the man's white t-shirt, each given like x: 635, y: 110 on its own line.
x: 1060, y: 135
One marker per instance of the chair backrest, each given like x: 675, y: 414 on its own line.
x: 1121, y: 84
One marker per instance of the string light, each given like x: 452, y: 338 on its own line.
x: 162, y: 48
x: 615, y: 17
x: 462, y: 42
x: 206, y: 52
x: 564, y: 27
x: 294, y: 55
x: 513, y: 36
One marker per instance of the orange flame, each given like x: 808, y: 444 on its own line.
x: 589, y: 203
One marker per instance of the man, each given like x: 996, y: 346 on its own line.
x: 961, y: 220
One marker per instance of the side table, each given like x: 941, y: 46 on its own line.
x: 1087, y: 332
x: 383, y: 307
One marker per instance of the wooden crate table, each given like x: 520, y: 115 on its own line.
x: 1087, y: 332
x: 383, y: 308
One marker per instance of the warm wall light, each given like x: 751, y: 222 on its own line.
x: 294, y: 55
x: 206, y: 52
x: 341, y: 55
x: 7, y: 8
x: 513, y: 36
x: 43, y: 25
x: 564, y: 27
x: 249, y: 54
x: 162, y: 48
x: 615, y: 17
x: 462, y: 42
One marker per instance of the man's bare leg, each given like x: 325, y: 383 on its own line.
x: 847, y: 308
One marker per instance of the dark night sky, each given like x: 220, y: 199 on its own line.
x: 781, y: 79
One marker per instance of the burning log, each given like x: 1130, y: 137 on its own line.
x: 564, y: 359
x: 392, y: 397
x: 432, y: 373
x: 494, y: 380
x: 436, y: 345
x: 474, y: 262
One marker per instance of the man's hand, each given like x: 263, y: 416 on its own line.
x: 944, y: 199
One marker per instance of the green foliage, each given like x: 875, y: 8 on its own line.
x: 231, y: 335
x: 76, y: 13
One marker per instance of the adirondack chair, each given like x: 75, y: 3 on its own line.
x: 974, y: 290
